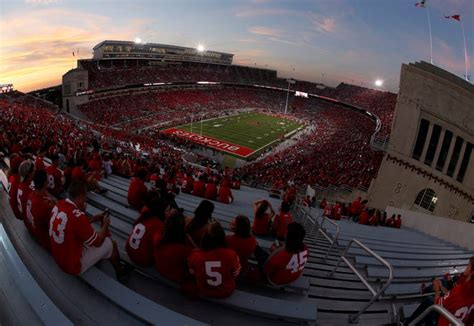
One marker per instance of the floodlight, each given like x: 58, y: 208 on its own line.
x: 138, y: 40
x: 379, y: 82
x: 200, y: 48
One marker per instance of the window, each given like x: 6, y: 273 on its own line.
x: 465, y: 162
x: 426, y: 199
x: 420, y: 139
x: 443, y: 154
x: 455, y: 156
x: 432, y: 145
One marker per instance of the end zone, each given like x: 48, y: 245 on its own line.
x: 210, y: 142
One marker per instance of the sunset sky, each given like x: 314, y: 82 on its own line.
x: 354, y: 41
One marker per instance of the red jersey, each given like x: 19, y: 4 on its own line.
x: 397, y: 223
x: 24, y: 190
x: 143, y: 239
x: 323, y: 204
x: 13, y: 183
x: 337, y: 212
x: 69, y: 231
x: 244, y: 247
x: 137, y: 192
x: 171, y: 261
x: 199, y: 188
x: 460, y: 302
x: 364, y: 218
x: 154, y: 178
x: 187, y: 185
x: 280, y: 225
x: 261, y: 225
x: 327, y: 211
x: 215, y: 271
x: 356, y: 207
x: 39, y: 163
x: 211, y: 191
x: 283, y: 267
x: 55, y: 180
x: 38, y: 213
x: 225, y: 195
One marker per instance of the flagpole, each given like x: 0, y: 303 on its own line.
x: 465, y: 48
x: 429, y: 28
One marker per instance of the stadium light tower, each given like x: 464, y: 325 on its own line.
x: 290, y: 81
x: 200, y: 47
x: 138, y: 40
x: 378, y: 82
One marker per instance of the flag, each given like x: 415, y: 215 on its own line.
x: 420, y: 4
x: 457, y: 17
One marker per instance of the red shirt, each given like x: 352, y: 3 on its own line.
x: 460, y: 302
x: 187, y: 185
x: 261, y: 225
x: 24, y: 190
x: 199, y: 188
x: 364, y: 218
x: 154, y: 178
x: 14, y: 182
x: 215, y: 271
x: 356, y: 207
x: 171, y: 261
x: 39, y: 163
x: 327, y: 211
x: 69, y: 231
x: 225, y: 195
x: 244, y: 247
x: 280, y: 225
x: 38, y: 213
x: 397, y: 223
x: 55, y: 180
x: 143, y: 239
x: 137, y: 193
x: 336, y: 212
x: 283, y: 267
x: 211, y: 191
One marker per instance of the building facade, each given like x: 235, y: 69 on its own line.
x: 428, y: 166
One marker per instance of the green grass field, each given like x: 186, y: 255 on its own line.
x: 253, y: 130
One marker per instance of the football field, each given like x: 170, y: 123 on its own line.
x: 242, y: 135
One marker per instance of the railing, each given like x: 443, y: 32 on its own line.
x: 449, y: 316
x: 375, y: 294
x: 330, y: 239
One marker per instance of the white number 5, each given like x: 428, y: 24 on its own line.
x: 215, y: 278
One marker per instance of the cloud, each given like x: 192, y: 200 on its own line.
x: 37, y: 51
x: 264, y: 31
x: 323, y: 24
x: 41, y: 2
x: 256, y: 12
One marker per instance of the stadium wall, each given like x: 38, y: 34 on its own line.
x: 440, y: 227
x: 444, y: 103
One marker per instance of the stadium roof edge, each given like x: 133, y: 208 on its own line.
x: 153, y: 44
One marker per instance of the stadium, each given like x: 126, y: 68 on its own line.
x: 192, y: 190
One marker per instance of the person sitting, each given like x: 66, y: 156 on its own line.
x: 383, y: 219
x: 199, y: 187
x: 188, y: 183
x: 286, y: 263
x: 364, y: 217
x: 323, y: 203
x: 107, y: 165
x: 281, y: 221
x: 196, y: 227
x: 458, y: 300
x: 391, y: 221
x: 215, y: 267
x: 26, y: 186
x: 172, y: 252
x: 398, y: 222
x: 137, y: 191
x: 336, y: 211
x: 147, y: 231
x: 55, y: 177
x: 211, y: 190
x: 78, y: 174
x: 263, y: 215
x: 374, y: 217
x: 355, y: 208
x: 225, y: 193
x: 14, y: 181
x: 307, y: 201
x: 74, y: 243
x: 38, y: 209
x: 327, y: 211
x: 242, y: 241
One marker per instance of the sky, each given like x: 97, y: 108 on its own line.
x: 329, y: 41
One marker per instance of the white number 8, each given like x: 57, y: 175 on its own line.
x: 137, y: 235
x: 215, y: 277
x: 50, y: 181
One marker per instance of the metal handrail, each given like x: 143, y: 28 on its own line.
x: 449, y: 316
x: 375, y: 294
x: 332, y: 240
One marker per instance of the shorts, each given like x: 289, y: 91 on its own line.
x: 92, y: 255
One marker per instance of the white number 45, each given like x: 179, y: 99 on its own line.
x: 297, y: 262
